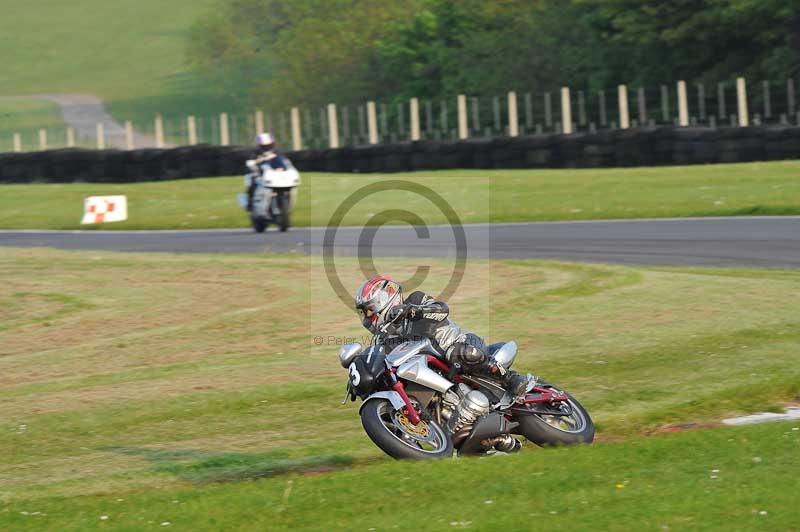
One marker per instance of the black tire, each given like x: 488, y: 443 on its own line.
x: 283, y: 207
x: 376, y: 413
x: 259, y: 224
x: 536, y: 428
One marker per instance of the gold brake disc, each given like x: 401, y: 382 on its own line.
x: 418, y: 430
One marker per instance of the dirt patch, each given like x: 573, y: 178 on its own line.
x: 683, y: 427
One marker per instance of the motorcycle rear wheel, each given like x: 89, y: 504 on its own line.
x: 394, y: 434
x: 548, y: 430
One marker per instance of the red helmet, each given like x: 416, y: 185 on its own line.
x: 374, y: 298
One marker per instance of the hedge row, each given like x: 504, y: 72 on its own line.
x: 640, y: 147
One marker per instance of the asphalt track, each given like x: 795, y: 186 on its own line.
x: 743, y: 241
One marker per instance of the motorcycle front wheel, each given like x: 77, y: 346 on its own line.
x: 392, y: 431
x: 572, y: 428
x: 283, y: 207
x: 259, y: 223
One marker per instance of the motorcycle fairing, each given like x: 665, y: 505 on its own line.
x: 366, y: 369
x: 416, y: 369
x: 405, y: 351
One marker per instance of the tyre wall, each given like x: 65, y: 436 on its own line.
x: 633, y: 147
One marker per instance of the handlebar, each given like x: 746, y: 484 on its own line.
x: 385, y: 326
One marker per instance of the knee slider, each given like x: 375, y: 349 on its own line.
x: 475, y: 341
x: 468, y: 354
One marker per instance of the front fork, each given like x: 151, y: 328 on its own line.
x: 411, y: 412
x: 400, y: 388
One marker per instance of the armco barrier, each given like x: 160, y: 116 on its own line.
x: 633, y: 147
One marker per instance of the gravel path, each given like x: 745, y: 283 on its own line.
x: 83, y: 112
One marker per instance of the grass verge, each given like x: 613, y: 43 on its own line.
x: 476, y: 196
x: 129, y: 381
x: 721, y: 479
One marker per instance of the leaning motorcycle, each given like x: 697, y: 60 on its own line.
x: 274, y: 194
x: 415, y: 405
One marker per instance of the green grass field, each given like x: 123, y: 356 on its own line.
x: 722, y: 479
x: 475, y: 195
x: 26, y: 116
x: 188, y: 390
x: 130, y: 53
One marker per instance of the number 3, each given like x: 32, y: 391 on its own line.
x: 355, y: 376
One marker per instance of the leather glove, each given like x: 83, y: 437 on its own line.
x: 395, y: 313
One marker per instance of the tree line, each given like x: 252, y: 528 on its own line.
x: 279, y: 53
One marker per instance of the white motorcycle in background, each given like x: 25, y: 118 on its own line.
x: 274, y: 194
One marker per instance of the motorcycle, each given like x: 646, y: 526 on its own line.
x: 415, y: 405
x: 274, y: 194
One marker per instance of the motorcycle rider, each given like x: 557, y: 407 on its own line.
x: 266, y: 154
x: 379, y: 301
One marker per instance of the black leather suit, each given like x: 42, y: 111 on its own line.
x: 424, y: 317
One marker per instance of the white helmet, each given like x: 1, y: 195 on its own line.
x: 265, y: 140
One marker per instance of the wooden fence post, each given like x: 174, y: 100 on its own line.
x: 683, y: 105
x: 624, y: 117
x: 191, y: 126
x: 463, y: 131
x: 224, y: 132
x: 566, y: 111
x: 372, y: 123
x: 333, y: 126
x: 297, y: 137
x: 101, y: 137
x: 42, y: 139
x: 159, y: 131
x: 70, y: 137
x: 17, y: 142
x: 259, y: 122
x: 741, y: 97
x: 513, y: 115
x: 128, y: 135
x: 414, y: 112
